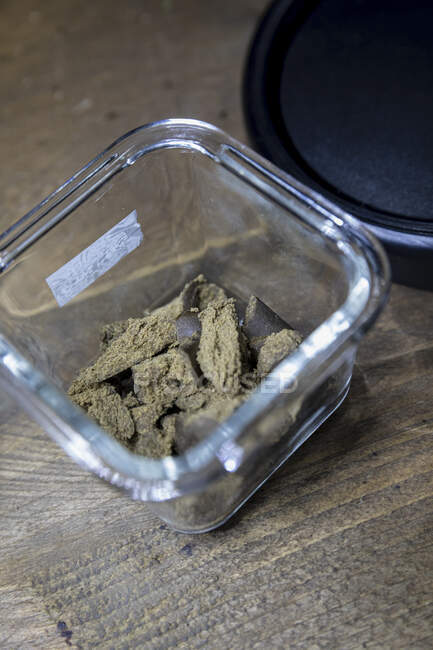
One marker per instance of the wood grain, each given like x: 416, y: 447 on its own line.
x: 336, y: 550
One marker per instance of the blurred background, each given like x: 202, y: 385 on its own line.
x: 74, y: 75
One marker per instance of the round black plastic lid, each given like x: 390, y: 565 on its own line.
x: 340, y: 94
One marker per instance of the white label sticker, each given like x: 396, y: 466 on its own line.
x: 95, y: 260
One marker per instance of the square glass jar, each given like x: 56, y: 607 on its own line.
x: 201, y: 203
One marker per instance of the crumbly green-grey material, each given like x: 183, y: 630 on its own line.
x: 85, y: 379
x: 107, y: 408
x: 219, y: 352
x: 209, y: 293
x: 275, y: 347
x: 196, y: 400
x: 112, y: 331
x: 155, y: 443
x: 164, y: 378
x: 197, y: 294
x: 130, y: 400
x: 146, y: 416
x: 163, y: 381
x: 151, y: 440
x: 217, y: 409
x: 142, y: 339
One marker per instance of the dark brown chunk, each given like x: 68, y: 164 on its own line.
x: 260, y: 320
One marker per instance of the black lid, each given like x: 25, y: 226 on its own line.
x: 340, y: 94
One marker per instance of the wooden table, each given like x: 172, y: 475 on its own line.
x: 336, y: 550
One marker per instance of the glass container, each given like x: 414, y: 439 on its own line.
x: 162, y: 204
